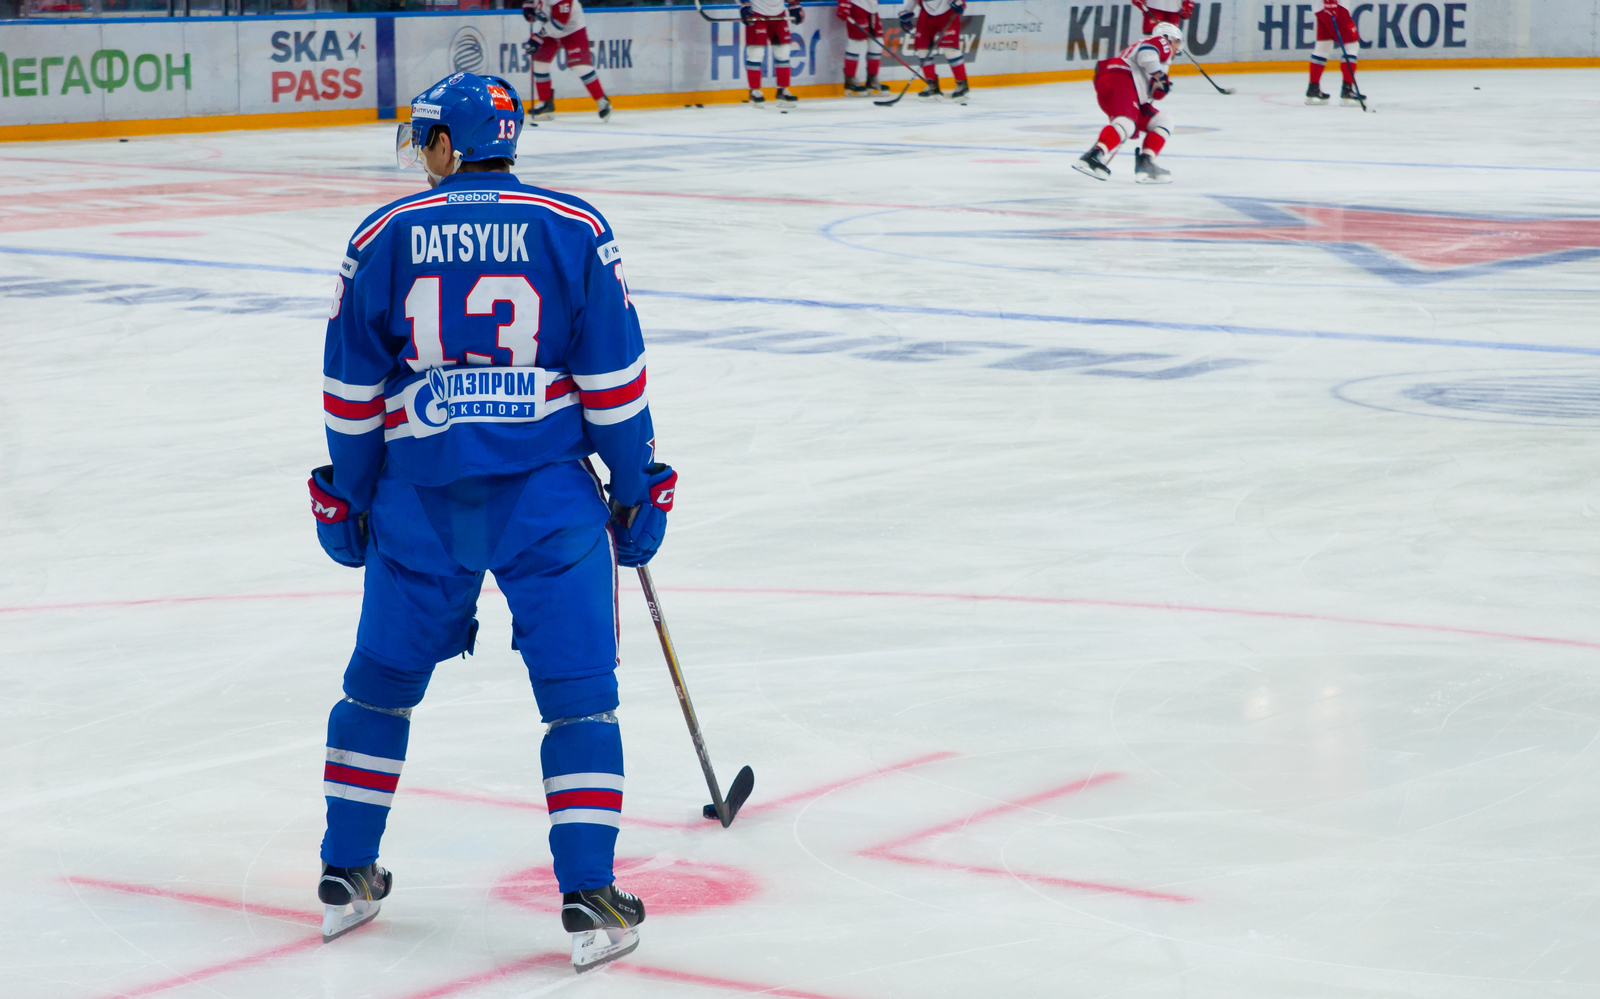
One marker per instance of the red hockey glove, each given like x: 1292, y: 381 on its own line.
x: 1141, y: 5
x: 342, y: 536
x: 1160, y: 85
x: 843, y: 10
x: 639, y: 529
x: 1186, y: 11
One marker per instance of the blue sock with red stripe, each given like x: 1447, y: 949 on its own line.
x: 366, y: 749
x: 582, y: 759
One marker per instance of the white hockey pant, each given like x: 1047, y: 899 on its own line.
x: 753, y: 57
x: 1325, y: 51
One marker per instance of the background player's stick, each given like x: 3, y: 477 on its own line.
x: 720, y: 808
x: 1339, y: 37
x: 1202, y: 69
x: 916, y: 74
x: 708, y: 17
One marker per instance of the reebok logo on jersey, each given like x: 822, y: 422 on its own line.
x: 473, y: 197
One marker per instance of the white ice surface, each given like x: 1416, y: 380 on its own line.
x: 1283, y: 556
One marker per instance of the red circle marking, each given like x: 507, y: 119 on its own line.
x: 161, y: 234
x: 674, y: 886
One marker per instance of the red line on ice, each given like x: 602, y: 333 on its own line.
x: 627, y: 819
x: 1443, y: 629
x: 891, y: 849
x: 248, y: 908
x: 819, y: 791
x: 750, y: 988
x: 548, y: 959
x: 212, y: 971
x: 536, y: 806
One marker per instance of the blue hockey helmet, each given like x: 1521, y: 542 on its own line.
x: 482, y: 114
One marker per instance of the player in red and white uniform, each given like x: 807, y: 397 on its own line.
x: 1334, y: 24
x: 1128, y: 85
x: 937, y: 24
x: 861, y: 22
x: 1170, y: 11
x: 558, y: 24
x: 766, y: 22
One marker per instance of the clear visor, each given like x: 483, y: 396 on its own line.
x: 407, y: 153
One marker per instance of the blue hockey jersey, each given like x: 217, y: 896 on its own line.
x: 483, y: 327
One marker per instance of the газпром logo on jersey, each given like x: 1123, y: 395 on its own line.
x: 485, y: 395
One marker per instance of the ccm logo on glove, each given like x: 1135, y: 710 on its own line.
x: 325, y: 506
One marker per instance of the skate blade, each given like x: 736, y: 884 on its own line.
x: 1316, y: 101
x: 336, y: 922
x: 1152, y: 180
x: 1089, y: 171
x: 594, y: 948
x: 1349, y: 102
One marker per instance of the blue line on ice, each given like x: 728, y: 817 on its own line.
x: 921, y: 310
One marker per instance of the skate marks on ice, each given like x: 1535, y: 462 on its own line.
x: 1219, y: 234
x: 234, y: 303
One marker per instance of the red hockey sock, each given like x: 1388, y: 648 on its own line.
x: 873, y: 63
x: 850, y: 66
x: 1153, y: 143
x: 595, y: 90
x: 959, y: 72
x: 1109, y: 139
x: 544, y: 90
x: 754, y: 76
x: 930, y: 74
x: 1349, y: 71
x: 783, y: 76
x: 1316, y: 72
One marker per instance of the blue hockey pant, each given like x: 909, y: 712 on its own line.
x: 544, y: 536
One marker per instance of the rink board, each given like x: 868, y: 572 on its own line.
x: 144, y: 73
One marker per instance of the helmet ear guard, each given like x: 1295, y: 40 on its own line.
x: 1166, y: 29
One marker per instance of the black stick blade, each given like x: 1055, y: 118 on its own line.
x: 738, y: 793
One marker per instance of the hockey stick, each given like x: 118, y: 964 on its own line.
x: 739, y: 790
x: 1202, y: 69
x: 1338, y: 36
x: 708, y: 17
x: 916, y: 74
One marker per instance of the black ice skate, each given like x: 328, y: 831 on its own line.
x: 783, y: 99
x: 351, y: 897
x: 1147, y: 171
x: 603, y: 108
x: 854, y: 89
x: 1314, y: 95
x: 1348, y: 95
x: 758, y: 99
x: 874, y: 87
x: 545, y: 110
x: 930, y: 91
x: 602, y: 922
x: 959, y: 95
x: 1093, y: 163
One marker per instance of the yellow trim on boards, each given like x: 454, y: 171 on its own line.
x: 632, y: 102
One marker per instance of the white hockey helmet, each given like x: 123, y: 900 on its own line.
x: 1166, y: 29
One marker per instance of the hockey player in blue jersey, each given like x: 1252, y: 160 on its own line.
x: 481, y: 347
